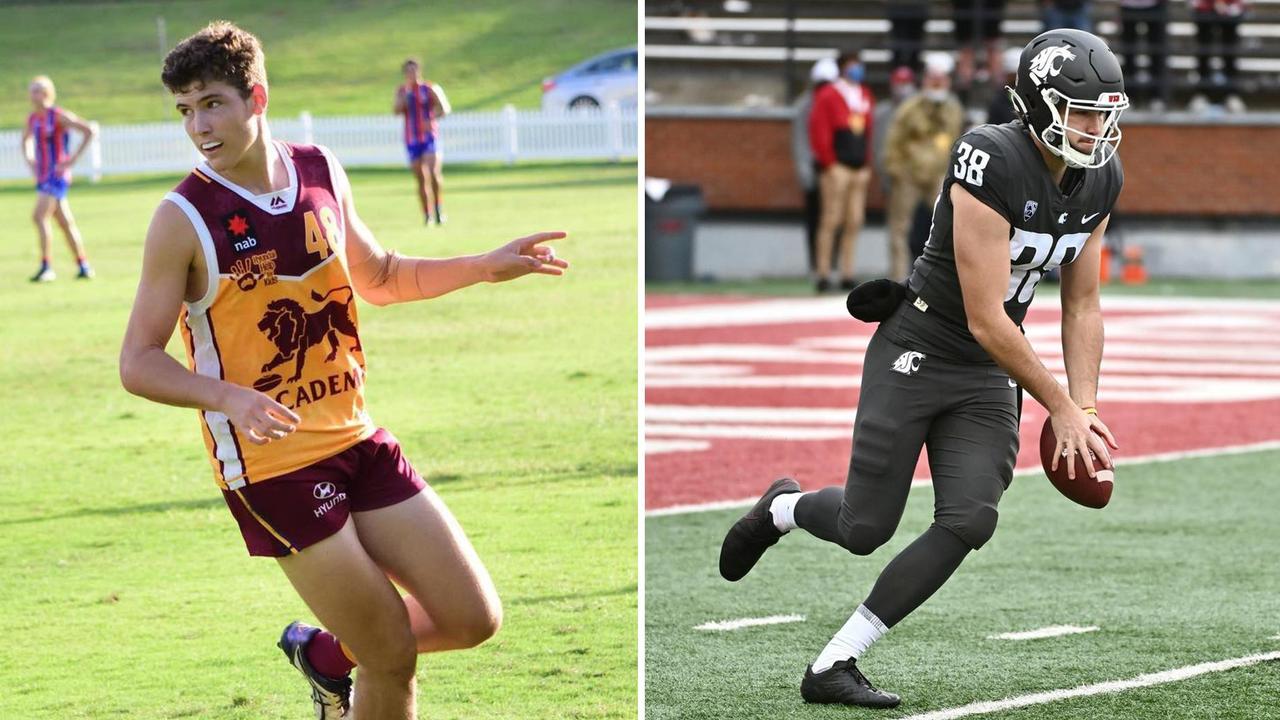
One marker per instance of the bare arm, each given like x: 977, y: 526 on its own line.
x: 29, y: 148
x: 399, y: 107
x: 381, y: 277
x: 1082, y: 333
x: 440, y: 102
x: 1082, y: 321
x: 150, y: 372
x: 87, y: 134
x: 982, y: 262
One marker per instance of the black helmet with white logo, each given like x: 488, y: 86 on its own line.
x: 1065, y: 70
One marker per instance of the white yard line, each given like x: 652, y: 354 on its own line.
x: 922, y: 482
x: 1044, y: 632
x: 740, y: 623
x: 1113, y: 686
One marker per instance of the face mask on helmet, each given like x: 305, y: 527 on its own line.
x: 1058, y: 136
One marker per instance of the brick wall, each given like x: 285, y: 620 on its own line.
x: 1171, y: 170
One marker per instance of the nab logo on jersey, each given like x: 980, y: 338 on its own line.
x: 1049, y: 63
x: 239, y: 231
x: 908, y: 363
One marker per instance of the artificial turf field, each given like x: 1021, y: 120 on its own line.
x: 127, y: 591
x: 1178, y: 570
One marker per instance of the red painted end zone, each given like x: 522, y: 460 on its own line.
x: 740, y: 391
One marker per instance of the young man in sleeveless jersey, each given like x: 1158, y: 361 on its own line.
x: 946, y: 367
x: 259, y: 254
x: 423, y: 103
x: 46, y: 146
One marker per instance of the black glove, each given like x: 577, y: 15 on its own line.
x: 875, y: 300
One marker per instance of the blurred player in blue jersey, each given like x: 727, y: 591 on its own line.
x: 46, y: 148
x: 422, y: 103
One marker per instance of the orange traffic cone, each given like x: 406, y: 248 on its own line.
x: 1134, y: 273
x: 1104, y: 271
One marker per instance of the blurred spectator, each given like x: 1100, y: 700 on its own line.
x: 919, y: 150
x: 1073, y: 14
x: 823, y: 73
x: 1218, y: 20
x: 1150, y: 83
x: 902, y: 85
x: 977, y: 25
x: 1001, y: 110
x: 840, y: 128
x: 906, y: 32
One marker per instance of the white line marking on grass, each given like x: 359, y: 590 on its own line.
x: 1112, y: 686
x: 1044, y: 632
x: 749, y: 622
x: 1025, y: 472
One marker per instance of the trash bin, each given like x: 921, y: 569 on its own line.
x: 670, y: 221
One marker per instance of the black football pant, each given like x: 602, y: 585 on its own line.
x: 967, y: 417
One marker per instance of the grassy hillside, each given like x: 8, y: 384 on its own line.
x: 326, y: 56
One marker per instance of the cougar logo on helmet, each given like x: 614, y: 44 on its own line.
x: 1049, y: 62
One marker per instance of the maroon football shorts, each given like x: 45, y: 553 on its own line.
x: 289, y: 512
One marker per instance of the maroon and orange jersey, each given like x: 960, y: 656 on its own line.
x: 279, y: 315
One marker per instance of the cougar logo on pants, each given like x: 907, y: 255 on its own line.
x: 908, y: 363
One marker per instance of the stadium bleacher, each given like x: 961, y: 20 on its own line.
x: 757, y: 53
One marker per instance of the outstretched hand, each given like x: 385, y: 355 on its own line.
x: 523, y: 256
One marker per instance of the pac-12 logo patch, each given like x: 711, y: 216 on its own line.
x: 1029, y: 210
x: 908, y: 363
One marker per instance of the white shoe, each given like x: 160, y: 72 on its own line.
x: 46, y: 274
x: 1235, y: 105
x: 1199, y: 104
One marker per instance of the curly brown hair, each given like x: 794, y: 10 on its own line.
x: 219, y: 52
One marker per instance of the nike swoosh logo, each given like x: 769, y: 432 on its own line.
x: 1087, y: 218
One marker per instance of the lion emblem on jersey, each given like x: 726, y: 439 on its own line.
x: 294, y: 331
x: 1049, y: 62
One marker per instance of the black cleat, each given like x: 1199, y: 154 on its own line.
x: 753, y: 533
x: 844, y: 684
x: 823, y: 286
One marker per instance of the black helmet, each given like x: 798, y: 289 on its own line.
x: 1065, y: 70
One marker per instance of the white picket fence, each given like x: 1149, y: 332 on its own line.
x: 507, y: 136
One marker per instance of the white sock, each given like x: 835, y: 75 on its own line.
x: 783, y: 510
x: 862, y: 629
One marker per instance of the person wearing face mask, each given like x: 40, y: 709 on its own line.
x: 823, y: 73
x: 840, y: 131
x: 916, y: 156
x: 902, y: 85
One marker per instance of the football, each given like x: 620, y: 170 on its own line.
x: 1094, y: 492
x: 267, y: 382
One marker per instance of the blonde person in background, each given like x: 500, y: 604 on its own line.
x: 919, y: 145
x: 46, y: 146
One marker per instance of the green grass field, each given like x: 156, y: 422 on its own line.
x: 328, y: 56
x: 1178, y: 570
x: 126, y: 588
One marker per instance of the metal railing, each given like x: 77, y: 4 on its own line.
x: 506, y: 136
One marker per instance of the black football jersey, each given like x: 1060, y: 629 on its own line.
x: 1001, y: 166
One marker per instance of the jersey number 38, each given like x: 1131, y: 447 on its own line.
x: 970, y: 162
